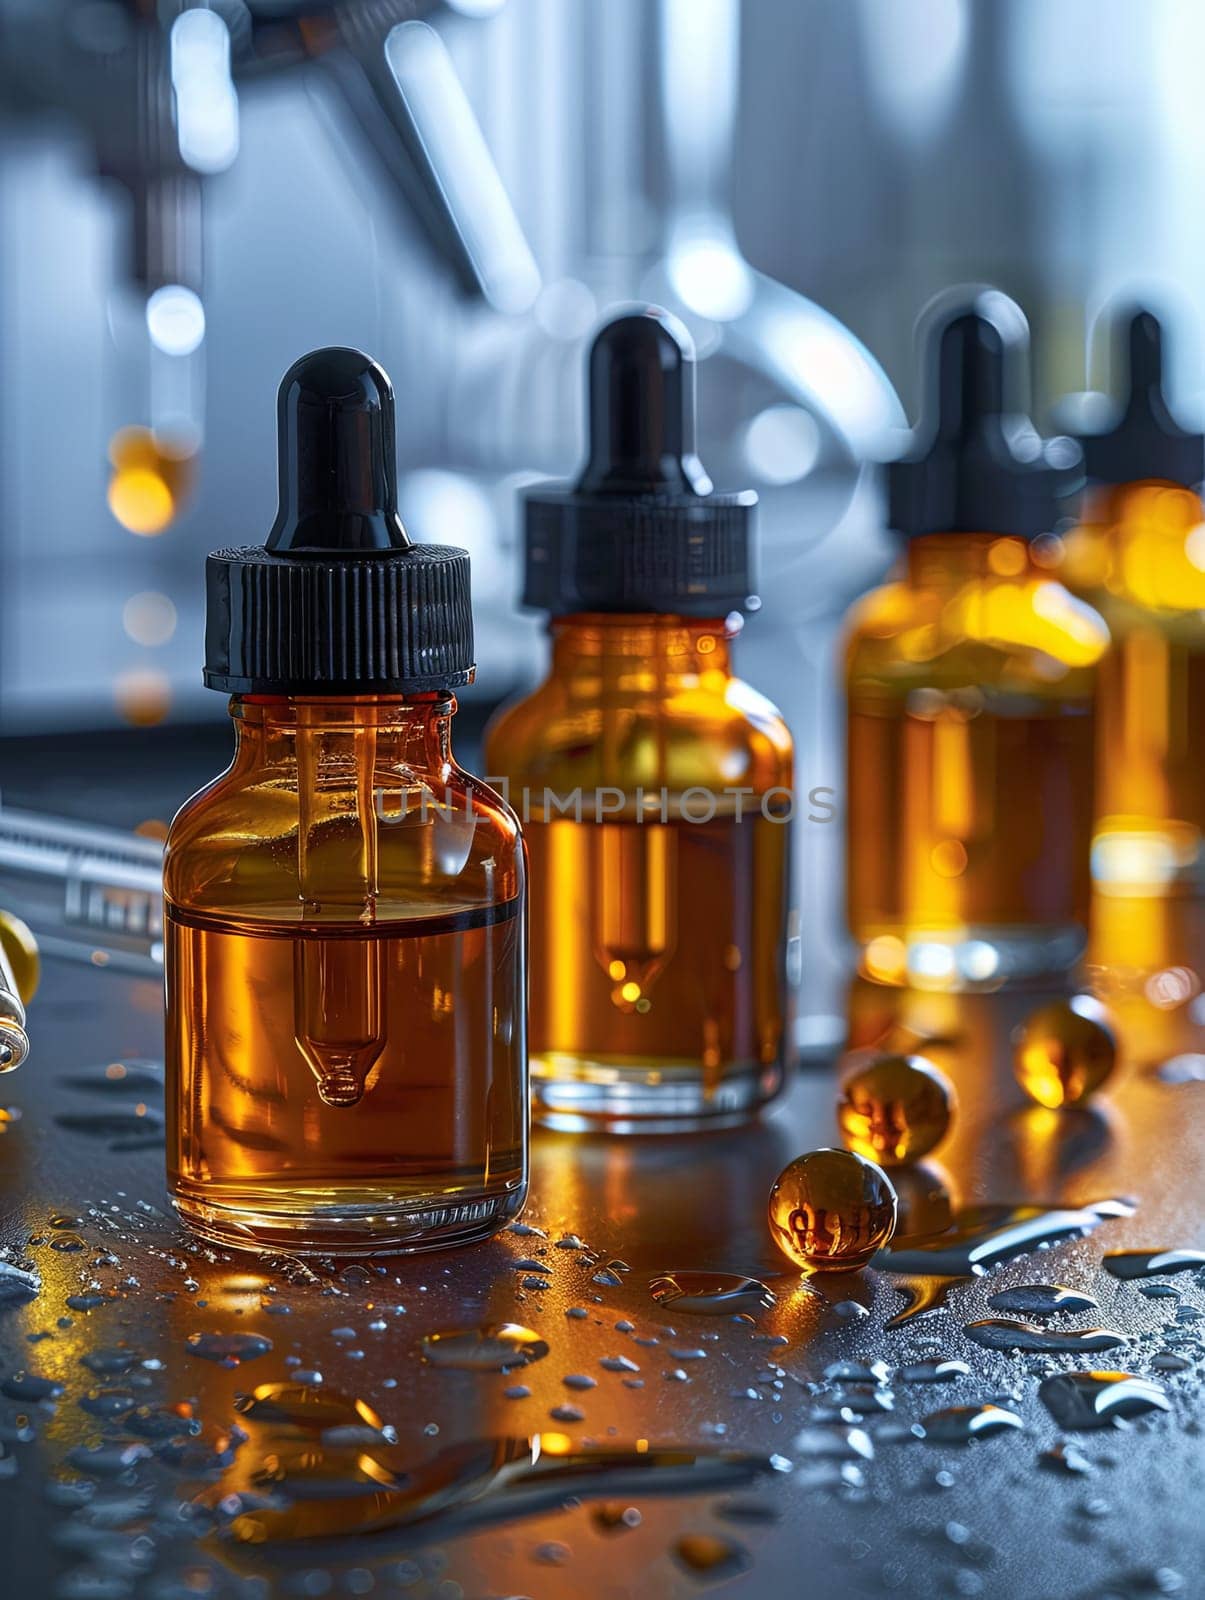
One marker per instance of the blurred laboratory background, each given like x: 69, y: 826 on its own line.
x: 193, y: 194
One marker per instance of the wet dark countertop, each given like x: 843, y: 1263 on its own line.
x: 878, y: 1512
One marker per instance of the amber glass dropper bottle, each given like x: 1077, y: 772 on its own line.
x: 970, y: 692
x: 346, y: 1061
x: 1138, y: 554
x: 653, y: 784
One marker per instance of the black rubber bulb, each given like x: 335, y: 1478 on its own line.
x: 1146, y: 398
x: 970, y: 377
x: 978, y: 465
x: 337, y: 458
x: 1146, y: 441
x: 642, y: 410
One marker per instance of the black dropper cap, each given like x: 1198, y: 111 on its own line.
x: 980, y: 468
x: 641, y: 530
x: 1145, y: 440
x: 338, y: 600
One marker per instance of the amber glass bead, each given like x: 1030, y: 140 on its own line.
x: 895, y: 1109
x: 1065, y: 1051
x: 830, y: 1210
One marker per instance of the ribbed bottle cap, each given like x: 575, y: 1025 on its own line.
x: 1145, y: 441
x: 641, y: 529
x: 979, y: 468
x: 338, y: 600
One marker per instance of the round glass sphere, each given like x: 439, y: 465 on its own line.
x: 895, y: 1109
x: 830, y: 1210
x: 1065, y: 1051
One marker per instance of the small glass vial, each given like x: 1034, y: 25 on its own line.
x: 1138, y: 554
x: 654, y: 786
x: 970, y: 696
x: 344, y: 907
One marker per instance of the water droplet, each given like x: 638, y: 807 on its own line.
x: 497, y: 1347
x: 108, y: 1361
x: 710, y: 1293
x: 1158, y: 1291
x: 1097, y: 1399
x: 517, y: 1391
x: 1187, y: 1068
x: 108, y: 1402
x: 67, y: 1243
x: 1151, y: 1263
x: 1001, y: 1333
x: 704, y: 1555
x: 579, y: 1380
x: 18, y: 1283
x: 28, y: 1386
x: 570, y: 1241
x: 1168, y: 1361
x: 107, y: 1460
x: 822, y: 1439
x: 895, y: 1109
x: 850, y: 1310
x: 985, y: 1236
x: 934, y: 1371
x: 618, y: 1364
x: 526, y: 1230
x: 90, y: 1302
x: 346, y: 1491
x: 830, y: 1210
x: 165, y: 1422
x: 228, y: 1349
x: 65, y: 1219
x: 552, y: 1553
x: 1066, y: 1458
x: 611, y: 1275
x: 923, y: 1296
x: 963, y: 1424
x: 307, y: 1407
x: 133, y: 1129
x: 565, y: 1413
x: 872, y: 1372
x: 1041, y: 1299
x: 615, y: 1517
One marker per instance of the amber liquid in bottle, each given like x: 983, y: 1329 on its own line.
x: 658, y: 891
x: 346, y: 966
x: 970, y: 760
x: 1139, y: 557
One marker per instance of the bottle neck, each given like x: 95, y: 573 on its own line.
x: 410, y: 730
x: 948, y: 560
x: 661, y: 647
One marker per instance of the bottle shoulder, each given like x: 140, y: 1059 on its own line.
x: 1028, y: 628
x: 403, y: 843
x: 696, y: 730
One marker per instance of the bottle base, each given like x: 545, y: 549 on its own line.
x: 581, y: 1094
x: 970, y: 958
x: 359, y: 1223
x: 1138, y: 858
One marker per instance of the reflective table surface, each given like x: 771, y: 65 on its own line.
x: 677, y: 1451
x: 789, y: 1452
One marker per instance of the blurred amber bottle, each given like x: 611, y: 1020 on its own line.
x: 344, y: 927
x: 970, y: 694
x: 1138, y: 555
x: 654, y: 786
